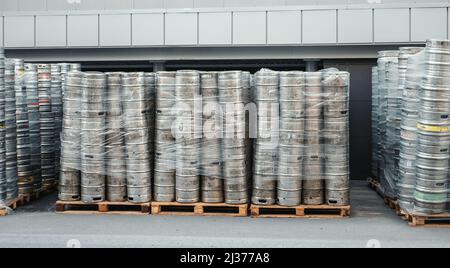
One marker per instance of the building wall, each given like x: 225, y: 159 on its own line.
x: 43, y: 5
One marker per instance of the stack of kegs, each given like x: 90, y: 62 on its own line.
x: 10, y: 130
x: 164, y: 182
x: 135, y: 101
x: 188, y: 136
x: 313, y: 183
x: 3, y: 182
x: 432, y: 157
x: 387, y: 75
x: 56, y: 102
x: 374, y: 123
x: 235, y: 145
x: 47, y: 125
x: 31, y: 84
x: 292, y: 112
x: 265, y: 162
x: 211, y: 162
x: 24, y: 169
x: 336, y: 137
x: 93, y: 137
x: 116, y: 176
x: 69, y: 184
x: 411, y: 70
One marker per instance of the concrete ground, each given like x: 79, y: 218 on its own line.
x: 372, y: 224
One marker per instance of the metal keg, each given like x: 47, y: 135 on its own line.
x: 165, y: 152
x: 433, y: 128
x: 135, y: 105
x: 56, y: 105
x: 31, y: 85
x: 388, y: 75
x: 116, y: 177
x: 188, y: 141
x: 24, y: 169
x: 265, y: 159
x: 93, y: 132
x: 233, y: 97
x: 70, y: 176
x: 210, y: 158
x: 10, y: 130
x: 292, y: 127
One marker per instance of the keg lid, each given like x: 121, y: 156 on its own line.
x: 438, y: 43
x: 388, y: 53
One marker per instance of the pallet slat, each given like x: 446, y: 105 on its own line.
x: 438, y: 220
x: 302, y: 211
x: 11, y: 204
x: 116, y: 208
x: 199, y: 209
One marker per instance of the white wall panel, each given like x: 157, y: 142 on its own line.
x: 115, y: 30
x: 19, y: 31
x: 284, y: 27
x: 32, y: 5
x: 82, y: 30
x: 428, y: 23
x: 51, y: 31
x: 355, y: 26
x: 1, y: 31
x: 215, y: 28
x: 148, y: 29
x: 249, y: 28
x: 181, y: 29
x: 391, y: 25
x: 319, y: 26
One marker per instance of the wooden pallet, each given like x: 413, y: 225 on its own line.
x: 302, y: 211
x: 438, y: 220
x: 116, y: 208
x: 11, y: 204
x: 199, y: 209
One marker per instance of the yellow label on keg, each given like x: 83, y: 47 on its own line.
x: 432, y: 128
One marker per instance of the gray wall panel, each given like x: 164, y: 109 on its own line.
x: 91, y: 4
x: 284, y: 27
x: 10, y: 5
x: 1, y: 31
x: 391, y: 25
x: 355, y: 26
x: 145, y: 4
x: 208, y: 3
x: 249, y: 28
x: 119, y: 4
x: 181, y: 29
x: 319, y: 26
x: 179, y: 3
x: 148, y: 29
x: 60, y: 5
x: 428, y: 23
x: 51, y: 31
x: 115, y: 30
x: 19, y: 31
x: 32, y: 5
x: 215, y: 28
x: 82, y: 30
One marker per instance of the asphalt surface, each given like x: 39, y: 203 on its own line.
x: 372, y: 224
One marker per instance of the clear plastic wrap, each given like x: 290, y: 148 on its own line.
x: 421, y: 183
x: 3, y: 179
x: 193, y: 142
x: 302, y: 145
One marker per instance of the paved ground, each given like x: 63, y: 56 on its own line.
x: 36, y: 225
